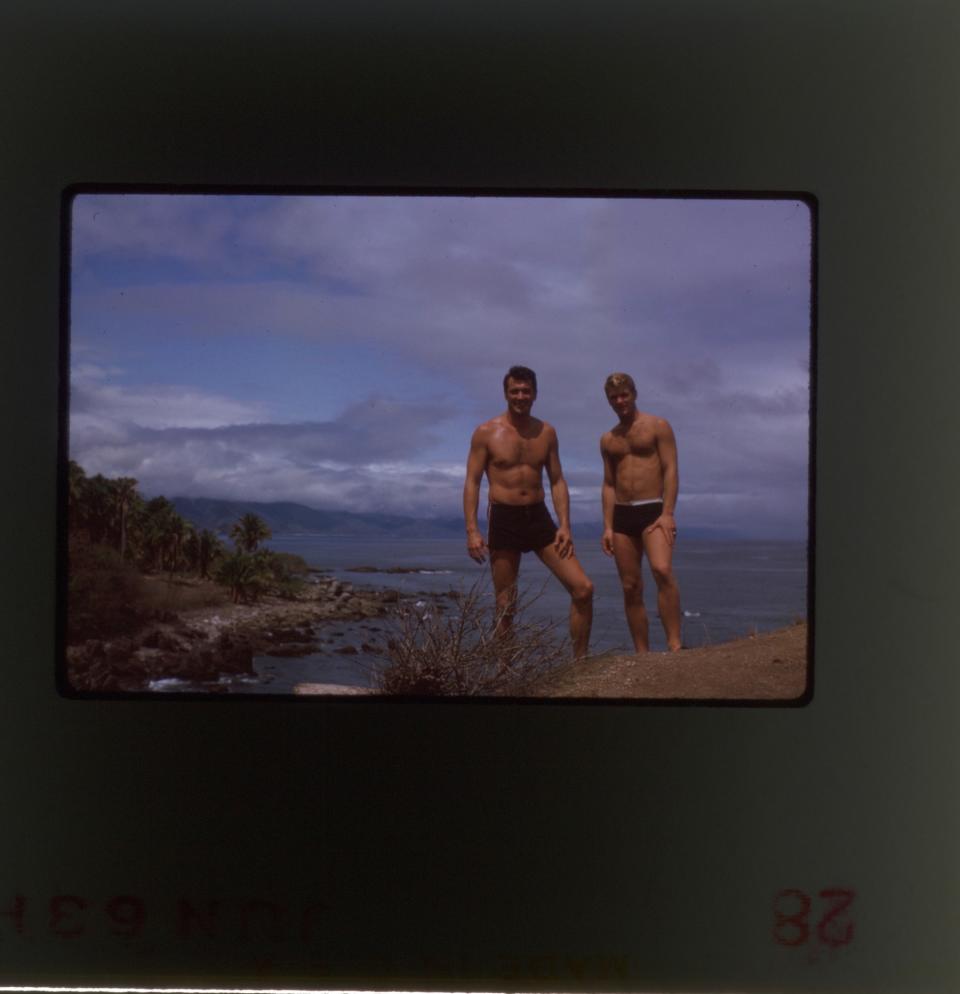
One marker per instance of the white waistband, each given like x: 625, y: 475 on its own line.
x: 637, y: 503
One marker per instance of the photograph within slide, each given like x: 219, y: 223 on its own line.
x: 488, y: 446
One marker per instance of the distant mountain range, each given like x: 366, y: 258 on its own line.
x: 286, y: 517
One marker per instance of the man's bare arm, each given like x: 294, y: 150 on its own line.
x: 476, y: 464
x: 667, y: 450
x: 608, y: 498
x: 561, y: 498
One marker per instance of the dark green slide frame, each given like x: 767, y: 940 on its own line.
x: 269, y: 844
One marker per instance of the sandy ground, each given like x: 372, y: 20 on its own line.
x: 771, y: 666
x: 329, y: 689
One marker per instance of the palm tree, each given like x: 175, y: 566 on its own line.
x: 246, y: 575
x: 76, y: 484
x: 177, y: 532
x: 158, y: 524
x: 209, y: 548
x: 249, y: 532
x: 137, y: 519
x: 98, y: 510
x: 124, y: 492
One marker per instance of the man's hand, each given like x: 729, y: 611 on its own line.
x: 667, y: 525
x: 563, y: 543
x: 476, y: 547
x: 606, y: 542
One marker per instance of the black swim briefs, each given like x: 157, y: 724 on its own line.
x: 632, y: 519
x: 520, y: 527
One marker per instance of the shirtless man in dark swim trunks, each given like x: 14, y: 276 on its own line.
x: 513, y: 449
x: 640, y: 483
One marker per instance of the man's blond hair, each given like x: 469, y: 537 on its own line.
x: 616, y: 381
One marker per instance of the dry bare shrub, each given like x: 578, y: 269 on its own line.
x: 461, y: 654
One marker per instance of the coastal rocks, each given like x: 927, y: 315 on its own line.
x: 203, y: 648
x: 301, y: 635
x: 127, y: 665
x: 170, y: 641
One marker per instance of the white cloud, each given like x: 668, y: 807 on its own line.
x: 189, y: 229
x: 97, y: 404
x: 184, y: 442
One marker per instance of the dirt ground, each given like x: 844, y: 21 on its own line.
x: 771, y: 666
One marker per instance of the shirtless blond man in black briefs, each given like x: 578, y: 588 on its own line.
x: 640, y: 485
x: 513, y: 449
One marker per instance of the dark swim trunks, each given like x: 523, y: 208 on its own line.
x: 632, y: 519
x: 520, y: 527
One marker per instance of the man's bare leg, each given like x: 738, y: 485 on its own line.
x: 628, y: 555
x: 660, y: 553
x: 570, y: 573
x: 505, y: 567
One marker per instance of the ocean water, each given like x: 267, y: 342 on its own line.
x: 728, y: 589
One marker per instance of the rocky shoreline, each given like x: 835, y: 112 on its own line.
x: 211, y: 647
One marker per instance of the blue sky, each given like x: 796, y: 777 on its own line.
x: 338, y: 351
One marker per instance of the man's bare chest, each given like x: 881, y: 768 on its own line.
x: 512, y: 449
x: 640, y: 441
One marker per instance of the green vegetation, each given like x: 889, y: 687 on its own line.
x: 102, y: 592
x: 118, y: 543
x: 249, y: 532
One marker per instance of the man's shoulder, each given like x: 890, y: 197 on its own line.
x: 647, y: 419
x: 619, y: 430
x: 492, y: 429
x: 660, y: 424
x: 485, y: 427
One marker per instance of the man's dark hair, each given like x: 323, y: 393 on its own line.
x: 523, y: 375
